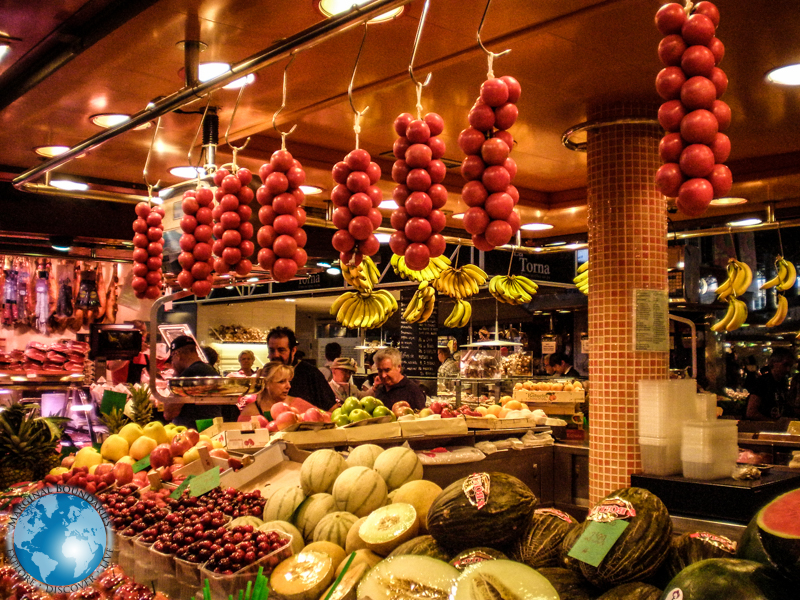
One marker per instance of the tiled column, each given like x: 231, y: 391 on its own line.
x: 627, y: 250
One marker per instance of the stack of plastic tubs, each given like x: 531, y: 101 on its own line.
x: 710, y: 446
x: 664, y: 405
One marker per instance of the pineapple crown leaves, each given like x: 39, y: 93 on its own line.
x: 22, y: 432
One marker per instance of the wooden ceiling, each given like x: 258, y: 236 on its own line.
x: 76, y: 58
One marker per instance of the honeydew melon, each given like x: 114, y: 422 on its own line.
x: 398, y: 465
x: 303, y: 576
x: 502, y: 579
x: 408, y: 577
x: 389, y: 526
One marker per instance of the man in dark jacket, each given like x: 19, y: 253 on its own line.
x: 308, y: 382
x: 186, y: 362
x: 391, y: 385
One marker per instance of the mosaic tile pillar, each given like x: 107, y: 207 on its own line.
x: 627, y: 250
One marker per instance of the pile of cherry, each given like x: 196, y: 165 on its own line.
x: 242, y: 546
x: 129, y: 514
x: 232, y: 227
x: 418, y: 172
x: 488, y: 168
x: 693, y: 115
x: 281, y: 235
x: 195, y: 258
x: 356, y: 198
x: 148, y: 251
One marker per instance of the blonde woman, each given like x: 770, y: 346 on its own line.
x: 278, y: 378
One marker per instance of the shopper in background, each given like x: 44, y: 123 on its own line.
x: 130, y: 371
x: 246, y: 360
x: 332, y: 352
x: 391, y: 385
x: 369, y: 369
x: 769, y: 396
x: 548, y: 370
x: 212, y: 356
x: 278, y: 382
x: 448, y: 369
x: 308, y: 382
x: 341, y: 382
x: 562, y: 365
x: 186, y: 362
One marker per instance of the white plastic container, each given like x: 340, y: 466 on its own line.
x: 661, y: 456
x: 706, y: 407
x: 664, y: 405
x: 709, y: 449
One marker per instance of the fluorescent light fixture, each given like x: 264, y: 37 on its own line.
x: 383, y: 238
x: 330, y: 8
x: 209, y: 71
x: 252, y: 279
x: 388, y: 205
x: 326, y: 265
x: 786, y: 75
x: 81, y: 408
x: 565, y: 311
x: 188, y: 172
x: 744, y: 222
x: 311, y: 190
x: 459, y: 216
x: 552, y: 244
x: 290, y: 299
x: 50, y: 151
x: 61, y: 243
x: 536, y: 226
x: 731, y: 201
x: 112, y: 120
x: 333, y: 271
x: 68, y: 185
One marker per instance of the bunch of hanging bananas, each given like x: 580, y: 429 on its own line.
x: 429, y: 273
x: 740, y: 276
x: 420, y: 307
x: 359, y: 309
x: 363, y: 276
x: 780, y: 313
x: 462, y: 313
x: 513, y: 289
x: 462, y: 282
x: 786, y: 277
x: 581, y: 281
x: 734, y: 317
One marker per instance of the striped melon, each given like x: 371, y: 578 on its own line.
x: 297, y: 538
x: 359, y: 490
x: 320, y: 470
x: 354, y: 541
x: 311, y: 512
x: 398, y: 466
x: 246, y: 520
x: 363, y: 456
x: 282, y: 503
x: 540, y: 543
x: 334, y: 527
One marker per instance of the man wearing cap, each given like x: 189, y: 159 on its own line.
x: 186, y: 362
x: 342, y: 370
x: 308, y: 382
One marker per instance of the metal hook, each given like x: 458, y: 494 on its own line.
x: 353, y: 76
x: 283, y: 105
x: 489, y: 53
x: 416, y: 44
x: 236, y: 149
x: 196, y: 133
x: 147, y: 160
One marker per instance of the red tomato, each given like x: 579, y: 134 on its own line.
x: 217, y: 247
x: 496, y: 179
x: 185, y: 260
x: 229, y: 202
x: 189, y: 205
x: 722, y: 112
x: 284, y: 269
x: 230, y: 219
x: 400, y: 146
x: 221, y: 267
x: 374, y: 173
x: 204, y: 196
x: 232, y: 238
x: 245, y: 212
x: 285, y: 224
x: 401, y: 123
x: 357, y: 160
x: 721, y: 180
x: 417, y: 256
x: 204, y: 216
x: 281, y: 160
x: 717, y: 49
x: 246, y: 230
x: 438, y: 195
x: 247, y: 247
x: 231, y: 255
x: 514, y: 193
x: 243, y: 267
x: 263, y: 196
x: 479, y: 241
x: 510, y: 165
x: 341, y: 217
x: 514, y: 221
x: 481, y: 117
x: 720, y: 80
x: 154, y: 263
x: 669, y: 179
x: 418, y: 131
x: 186, y: 243
x: 153, y: 277
x: 399, y: 218
x: 437, y: 171
x: 231, y: 184
x: 470, y: 140
x: 670, y: 147
x: 360, y: 228
x: 264, y: 171
x: 694, y: 197
x: 474, y: 193
x: 435, y: 123
x: 217, y: 230
x: 266, y: 236
x: 342, y: 241
x: 284, y: 204
x: 514, y: 88
x: 201, y: 289
x: 200, y: 270
x: 219, y: 175
x: 153, y: 219
x: 296, y: 177
x: 299, y: 236
x: 494, y: 92
x: 139, y: 284
x: 437, y: 220
x: 245, y: 176
x: 142, y: 210
x: 669, y: 81
x: 696, y: 160
x: 506, y: 137
x: 245, y: 196
x: 721, y: 147
x: 671, y: 113
x: 418, y: 156
x: 400, y: 193
x: 698, y: 92
x: 285, y: 246
x: 300, y: 258
x: 340, y: 195
x: 418, y: 204
x: 494, y: 151
x: 369, y: 246
x: 140, y: 226
x: 708, y: 9
x: 505, y: 116
x: 699, y: 127
x: 436, y: 245
x: 437, y: 146
x: 203, y: 233
x: 670, y: 18
x: 498, y: 233
x: 358, y: 181
x: 671, y: 49
x: 201, y: 252
x: 300, y: 216
x: 419, y: 180
x: 476, y: 220
x: 140, y: 240
x: 499, y: 206
x: 185, y: 279
x: 698, y: 30
x: 140, y: 269
x: 418, y: 229
x: 398, y: 242
x: 375, y: 217
x: 276, y: 183
x: 472, y: 168
x: 697, y: 60
x: 266, y: 258
x: 266, y: 215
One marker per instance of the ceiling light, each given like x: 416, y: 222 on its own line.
x: 744, y: 222
x: 50, y: 151
x: 188, y: 172
x: 324, y: 264
x: 290, y: 299
x: 112, y: 120
x: 4, y: 49
x: 551, y: 244
x: 333, y: 271
x: 212, y: 70
x: 458, y: 216
x: 536, y: 226
x: 311, y: 190
x: 787, y: 75
x: 388, y: 205
x: 68, y: 185
x: 252, y: 279
x: 62, y: 243
x: 728, y: 201
x: 383, y: 238
x: 331, y: 8
x: 565, y: 311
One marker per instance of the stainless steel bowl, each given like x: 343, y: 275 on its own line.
x: 215, y: 386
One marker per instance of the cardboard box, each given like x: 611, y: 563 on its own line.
x: 423, y: 427
x: 554, y: 408
x: 238, y: 436
x: 332, y: 437
x: 549, y: 397
x: 263, y: 460
x: 369, y: 433
x: 484, y: 423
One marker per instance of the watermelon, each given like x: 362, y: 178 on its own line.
x: 333, y: 528
x: 397, y: 466
x: 359, y: 490
x: 779, y: 528
x: 696, y: 546
x: 632, y: 591
x: 728, y: 579
x: 422, y: 545
x: 457, y: 524
x: 311, y: 512
x: 642, y: 546
x: 540, y: 543
x: 282, y: 503
x: 320, y: 470
x: 475, y: 555
x: 751, y: 548
x: 569, y: 584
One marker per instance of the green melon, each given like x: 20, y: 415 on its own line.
x: 779, y: 529
x: 636, y: 590
x: 473, y: 556
x: 363, y: 456
x: 359, y: 490
x: 728, y: 579
x: 457, y: 524
x: 282, y: 504
x: 690, y: 548
x: 311, y: 512
x: 540, y: 543
x: 297, y: 538
x: 569, y: 584
x: 320, y: 470
x: 643, y: 545
x: 422, y: 545
x: 502, y: 579
x: 564, y: 559
x: 397, y: 466
x: 334, y: 527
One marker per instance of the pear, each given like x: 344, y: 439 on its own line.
x: 131, y: 432
x: 114, y: 447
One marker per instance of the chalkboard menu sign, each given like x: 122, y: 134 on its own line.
x: 419, y: 341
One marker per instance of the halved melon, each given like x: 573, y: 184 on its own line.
x: 336, y: 553
x: 409, y: 577
x: 303, y: 576
x: 348, y: 586
x: 502, y: 579
x: 779, y: 526
x: 365, y: 557
x: 473, y: 556
x: 389, y: 526
x: 420, y: 494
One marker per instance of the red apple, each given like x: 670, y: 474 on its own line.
x: 286, y: 420
x: 402, y: 408
x: 123, y: 473
x: 219, y: 453
x: 180, y: 444
x: 312, y: 414
x: 279, y: 408
x: 161, y: 456
x: 193, y: 435
x: 272, y: 427
x: 103, y: 469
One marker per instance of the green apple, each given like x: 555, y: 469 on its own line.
x: 382, y: 411
x: 358, y: 414
x: 370, y: 403
x: 351, y: 404
x: 341, y: 420
x: 156, y: 431
x: 336, y: 413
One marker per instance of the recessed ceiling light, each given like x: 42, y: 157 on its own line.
x: 787, y: 75
x: 188, y: 172
x: 112, y: 120
x: 50, y: 151
x: 388, y: 205
x: 536, y: 226
x: 745, y: 222
x: 68, y: 185
x: 458, y: 216
x: 333, y: 271
x: 4, y: 49
x: 324, y: 264
x: 383, y: 238
x: 728, y: 201
x: 551, y: 244
x: 565, y: 311
x: 330, y: 8
x: 311, y: 190
x: 212, y: 70
x: 62, y: 243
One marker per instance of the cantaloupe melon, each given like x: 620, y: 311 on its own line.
x: 348, y: 586
x: 420, y: 494
x: 320, y: 470
x: 246, y: 520
x: 297, y: 538
x: 389, y: 526
x: 398, y: 466
x: 334, y: 527
x: 336, y: 553
x: 364, y: 556
x: 282, y: 503
x: 303, y: 576
x: 311, y: 512
x: 359, y: 490
x: 363, y: 456
x: 354, y: 541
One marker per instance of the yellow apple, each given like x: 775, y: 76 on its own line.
x: 127, y: 460
x: 86, y: 457
x: 171, y: 431
x: 191, y: 454
x: 114, y: 447
x: 58, y: 471
x: 204, y: 438
x: 142, y: 447
x: 155, y: 430
x: 217, y: 444
x: 131, y: 432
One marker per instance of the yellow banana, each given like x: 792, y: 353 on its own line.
x: 467, y: 314
x: 744, y: 277
x: 780, y: 313
x: 789, y: 279
x: 780, y: 268
x: 583, y: 267
x: 527, y: 285
x: 455, y: 316
x: 581, y: 277
x: 739, y: 316
x: 723, y: 322
x: 337, y: 304
x: 726, y: 289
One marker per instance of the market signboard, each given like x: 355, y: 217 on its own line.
x: 419, y: 342
x: 557, y: 267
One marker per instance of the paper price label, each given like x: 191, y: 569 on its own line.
x: 204, y: 483
x: 596, y: 540
x: 176, y: 493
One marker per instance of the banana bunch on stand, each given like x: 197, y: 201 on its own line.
x: 512, y: 289
x: 581, y: 281
x: 459, y: 283
x: 429, y: 273
x: 462, y: 313
x: 368, y: 310
x: 363, y: 276
x: 740, y: 276
x: 420, y: 308
x: 784, y: 280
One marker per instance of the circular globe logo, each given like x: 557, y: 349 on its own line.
x: 60, y: 538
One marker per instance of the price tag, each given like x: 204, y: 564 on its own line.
x: 205, y: 482
x: 596, y: 540
x: 176, y: 493
x: 112, y: 400
x: 141, y: 465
